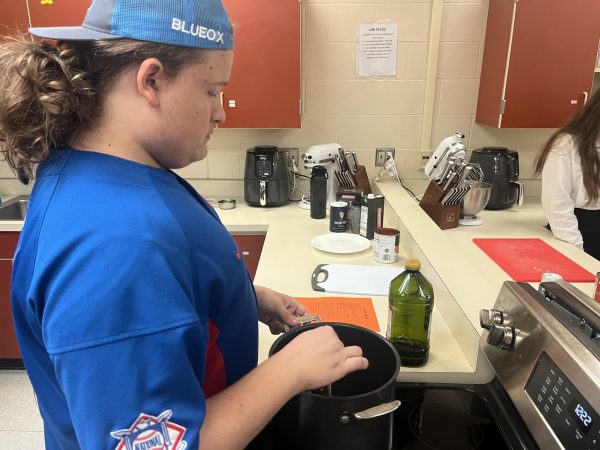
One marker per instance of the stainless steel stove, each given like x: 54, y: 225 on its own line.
x: 544, y: 347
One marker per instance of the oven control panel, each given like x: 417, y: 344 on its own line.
x: 566, y: 411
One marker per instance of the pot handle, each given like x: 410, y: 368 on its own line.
x: 371, y: 413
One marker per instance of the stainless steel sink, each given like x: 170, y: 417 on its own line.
x: 15, y: 208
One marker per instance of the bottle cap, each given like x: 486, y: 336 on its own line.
x: 549, y: 276
x: 413, y: 264
x: 319, y: 170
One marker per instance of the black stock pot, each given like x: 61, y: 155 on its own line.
x: 352, y: 413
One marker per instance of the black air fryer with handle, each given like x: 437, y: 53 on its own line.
x: 266, y: 181
x: 500, y: 167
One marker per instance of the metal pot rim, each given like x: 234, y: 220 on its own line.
x: 300, y: 329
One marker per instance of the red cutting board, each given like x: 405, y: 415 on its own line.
x: 527, y: 259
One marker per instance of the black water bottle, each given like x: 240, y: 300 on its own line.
x: 318, y: 192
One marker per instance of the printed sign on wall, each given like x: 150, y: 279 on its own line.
x: 377, y: 49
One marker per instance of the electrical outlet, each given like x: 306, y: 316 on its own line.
x: 292, y: 154
x: 423, y: 159
x: 381, y: 154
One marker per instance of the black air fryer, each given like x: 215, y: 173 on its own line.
x: 500, y: 167
x: 266, y: 181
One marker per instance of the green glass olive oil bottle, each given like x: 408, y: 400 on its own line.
x: 409, y: 319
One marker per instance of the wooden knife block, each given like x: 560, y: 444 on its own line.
x: 444, y: 216
x: 362, y: 180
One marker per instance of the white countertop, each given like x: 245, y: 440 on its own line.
x: 288, y: 260
x: 465, y: 279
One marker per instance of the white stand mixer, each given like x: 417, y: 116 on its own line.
x: 323, y: 155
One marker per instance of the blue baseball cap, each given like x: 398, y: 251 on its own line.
x: 187, y: 23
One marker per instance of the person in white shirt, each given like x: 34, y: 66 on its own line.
x: 570, y: 167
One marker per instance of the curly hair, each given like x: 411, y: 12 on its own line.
x: 584, y: 128
x: 50, y: 91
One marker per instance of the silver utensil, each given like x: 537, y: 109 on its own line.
x: 343, y: 161
x: 355, y: 161
x: 446, y: 170
x: 350, y: 162
x: 338, y: 163
x: 449, y: 181
x: 464, y: 174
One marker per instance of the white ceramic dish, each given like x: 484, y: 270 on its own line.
x: 340, y: 243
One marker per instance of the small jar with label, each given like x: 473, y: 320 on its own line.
x: 338, y: 217
x: 386, y: 245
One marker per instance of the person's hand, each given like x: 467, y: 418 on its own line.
x: 317, y: 358
x: 276, y: 309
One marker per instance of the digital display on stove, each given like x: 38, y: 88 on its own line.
x: 582, y: 414
x: 566, y: 411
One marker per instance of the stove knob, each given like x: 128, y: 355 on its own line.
x: 490, y: 317
x: 502, y: 337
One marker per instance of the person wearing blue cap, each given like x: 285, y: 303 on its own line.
x: 134, y: 312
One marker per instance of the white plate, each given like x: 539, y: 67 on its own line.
x: 341, y: 243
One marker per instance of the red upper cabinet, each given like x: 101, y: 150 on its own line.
x: 538, y: 62
x: 264, y: 90
x: 13, y: 17
x: 57, y: 13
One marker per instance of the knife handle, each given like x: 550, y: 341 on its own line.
x: 451, y: 176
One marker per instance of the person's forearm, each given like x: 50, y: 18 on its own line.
x: 237, y: 414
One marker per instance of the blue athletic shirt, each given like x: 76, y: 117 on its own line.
x: 131, y: 302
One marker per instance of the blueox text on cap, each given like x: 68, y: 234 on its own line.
x: 188, y: 23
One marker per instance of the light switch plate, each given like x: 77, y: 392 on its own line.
x: 292, y: 154
x: 381, y: 155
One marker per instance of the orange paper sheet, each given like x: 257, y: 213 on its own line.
x: 354, y: 310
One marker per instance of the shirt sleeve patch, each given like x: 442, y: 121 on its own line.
x: 151, y: 433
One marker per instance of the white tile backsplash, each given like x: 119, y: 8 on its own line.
x: 458, y: 60
x: 413, y: 19
x: 320, y: 61
x: 337, y: 22
x: 416, y: 68
x: 464, y: 22
x: 371, y: 131
x: 369, y: 96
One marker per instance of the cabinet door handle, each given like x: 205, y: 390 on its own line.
x: 585, y: 97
